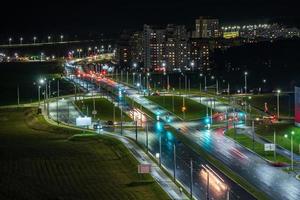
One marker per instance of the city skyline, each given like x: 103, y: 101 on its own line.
x: 150, y: 100
x: 111, y: 18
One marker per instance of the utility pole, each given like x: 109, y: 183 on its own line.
x: 121, y: 120
x: 205, y: 84
x: 211, y: 113
x: 75, y: 91
x: 147, y: 139
x: 159, y: 149
x: 228, y: 89
x: 185, y: 84
x: 57, y: 97
x: 39, y: 95
x: 217, y: 86
x: 173, y: 106
x: 253, y: 136
x: 207, y: 185
x: 275, y: 146
x: 45, y: 95
x: 174, y: 162
x: 191, y: 180
x: 94, y: 105
x: 200, y: 87
x: 136, y: 135
x: 168, y: 83
x: 18, y: 94
x: 114, y: 113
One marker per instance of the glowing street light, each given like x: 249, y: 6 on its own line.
x: 278, y: 93
x: 21, y: 40
x: 292, y: 149
x: 34, y: 39
x: 49, y: 38
x: 61, y: 38
x: 245, y: 87
x: 192, y: 64
x: 9, y: 41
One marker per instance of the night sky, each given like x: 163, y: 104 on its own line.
x: 42, y: 17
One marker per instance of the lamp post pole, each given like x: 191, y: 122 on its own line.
x: 278, y: 93
x: 18, y: 95
x: 174, y: 162
x: 246, y: 73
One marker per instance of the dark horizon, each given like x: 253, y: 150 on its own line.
x: 27, y: 19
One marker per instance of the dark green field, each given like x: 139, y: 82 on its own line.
x: 104, y: 109
x: 194, y: 110
x: 267, y: 131
x: 25, y: 75
x: 39, y: 161
x: 286, y: 103
x: 246, y: 141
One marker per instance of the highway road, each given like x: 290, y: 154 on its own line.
x: 220, y: 187
x: 273, y: 181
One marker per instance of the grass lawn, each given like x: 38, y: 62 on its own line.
x: 286, y: 103
x: 194, y: 110
x: 24, y: 75
x: 41, y: 161
x: 267, y: 131
x: 104, y: 109
x: 258, y: 148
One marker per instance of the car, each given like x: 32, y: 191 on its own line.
x: 110, y: 123
x: 97, y: 126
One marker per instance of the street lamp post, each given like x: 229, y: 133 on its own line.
x: 245, y: 87
x: 61, y: 38
x: 278, y: 93
x: 205, y: 84
x: 49, y: 38
x: 34, y: 39
x: 57, y: 97
x: 21, y: 40
x: 41, y: 81
x: 147, y: 86
x: 39, y: 95
x: 133, y: 77
x: 292, y: 149
x: 160, y: 149
x: 217, y: 86
x: 174, y: 162
x: 173, y: 106
x: 9, y: 41
x: 191, y: 180
x: 18, y: 94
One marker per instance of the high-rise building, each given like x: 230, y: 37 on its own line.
x: 123, y: 53
x: 199, y: 53
x: 136, y: 44
x: 207, y: 28
x: 165, y: 47
x: 153, y: 47
x: 176, y: 52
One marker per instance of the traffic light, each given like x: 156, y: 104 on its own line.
x: 207, y: 120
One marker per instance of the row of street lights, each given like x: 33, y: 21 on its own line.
x: 34, y: 39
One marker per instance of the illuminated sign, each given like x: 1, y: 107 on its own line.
x: 297, y: 106
x: 83, y: 121
x: 230, y: 35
